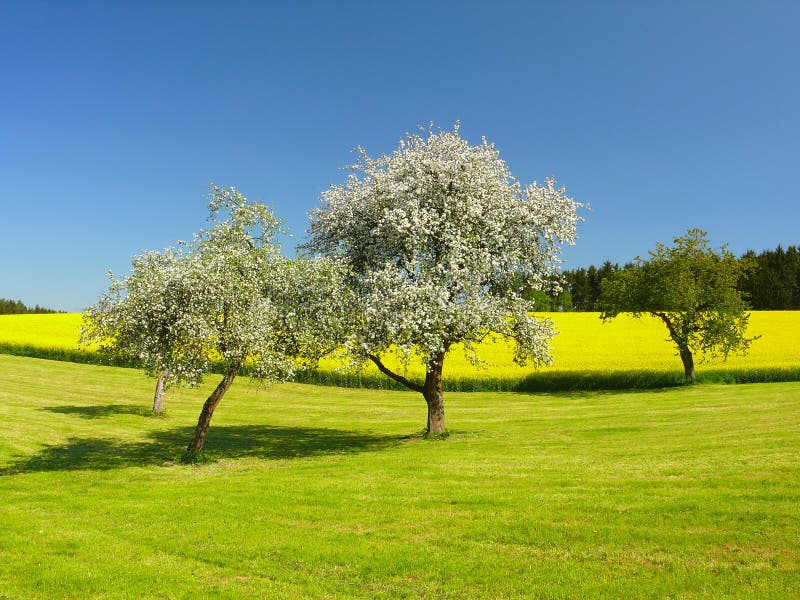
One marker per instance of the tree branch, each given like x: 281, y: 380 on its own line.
x: 667, y: 322
x: 673, y: 333
x: 399, y: 378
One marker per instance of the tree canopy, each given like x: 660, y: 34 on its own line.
x: 691, y: 288
x: 227, y: 299
x: 434, y: 234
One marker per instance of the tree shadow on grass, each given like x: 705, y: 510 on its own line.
x: 99, y: 412
x: 246, y: 441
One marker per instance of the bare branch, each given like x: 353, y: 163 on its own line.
x: 389, y: 373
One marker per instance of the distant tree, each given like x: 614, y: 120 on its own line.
x: 691, y: 288
x: 142, y: 318
x: 774, y: 281
x: 222, y: 300
x: 580, y: 289
x: 769, y: 281
x: 606, y: 270
x: 9, y: 307
x: 583, y: 286
x: 592, y: 288
x: 18, y: 307
x: 436, y: 236
x: 553, y: 296
x: 563, y: 301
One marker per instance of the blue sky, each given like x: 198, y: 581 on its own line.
x: 115, y: 117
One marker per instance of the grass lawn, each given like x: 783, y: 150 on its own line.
x: 327, y: 492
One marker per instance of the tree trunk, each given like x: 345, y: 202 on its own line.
x: 434, y: 395
x: 161, y: 390
x: 431, y: 390
x: 683, y: 350
x: 688, y: 363
x: 196, y: 445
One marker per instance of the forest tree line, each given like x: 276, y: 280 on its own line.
x: 771, y: 282
x: 17, y: 307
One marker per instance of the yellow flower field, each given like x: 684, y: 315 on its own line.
x: 584, y: 343
x: 48, y: 331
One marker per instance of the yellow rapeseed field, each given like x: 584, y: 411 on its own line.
x: 60, y: 330
x: 584, y: 343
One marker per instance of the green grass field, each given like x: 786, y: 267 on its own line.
x: 691, y: 492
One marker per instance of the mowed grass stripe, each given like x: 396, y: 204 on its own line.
x: 326, y: 492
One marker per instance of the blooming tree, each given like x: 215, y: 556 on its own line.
x: 311, y: 323
x: 223, y: 299
x: 142, y: 319
x: 434, y: 235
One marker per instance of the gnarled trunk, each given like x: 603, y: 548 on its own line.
x: 431, y: 390
x: 688, y: 363
x: 434, y: 395
x: 161, y: 390
x: 200, y: 432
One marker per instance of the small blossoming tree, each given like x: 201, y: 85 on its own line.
x: 142, y: 318
x: 223, y: 299
x: 433, y: 235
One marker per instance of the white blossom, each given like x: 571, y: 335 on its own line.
x: 433, y: 234
x: 227, y: 296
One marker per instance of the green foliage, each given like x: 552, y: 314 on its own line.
x: 692, y: 288
x: 770, y: 281
x: 583, y: 286
x: 18, y: 307
x: 774, y: 281
x: 312, y: 306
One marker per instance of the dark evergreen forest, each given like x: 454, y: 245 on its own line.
x: 772, y: 282
x: 17, y: 307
